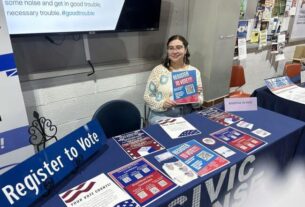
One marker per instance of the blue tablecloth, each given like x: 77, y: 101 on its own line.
x: 221, y: 186
x: 266, y: 99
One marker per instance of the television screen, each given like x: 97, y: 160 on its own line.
x: 62, y: 16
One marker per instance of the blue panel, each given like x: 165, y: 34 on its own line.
x: 14, y: 139
x: 7, y: 62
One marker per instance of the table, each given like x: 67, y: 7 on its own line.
x: 266, y: 99
x: 219, y: 187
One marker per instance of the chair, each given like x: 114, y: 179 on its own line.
x: 237, y: 80
x: 118, y: 117
x: 292, y: 69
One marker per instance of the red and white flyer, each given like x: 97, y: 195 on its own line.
x: 238, y: 139
x: 142, y: 181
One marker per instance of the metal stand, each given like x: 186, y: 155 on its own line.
x: 41, y: 131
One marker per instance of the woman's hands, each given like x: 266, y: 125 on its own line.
x: 168, y: 103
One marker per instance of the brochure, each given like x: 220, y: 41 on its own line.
x: 142, y: 181
x: 178, y: 127
x: 238, y: 139
x: 219, y: 116
x: 285, y: 88
x: 260, y: 132
x: 185, y: 86
x: 254, y: 36
x: 138, y: 143
x: 263, y: 38
x: 224, y: 151
x: 180, y: 173
x: 242, y: 48
x: 98, y: 191
x: 199, y: 158
x: 242, y: 29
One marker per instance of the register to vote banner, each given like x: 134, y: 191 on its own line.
x: 34, y: 177
x: 14, y: 144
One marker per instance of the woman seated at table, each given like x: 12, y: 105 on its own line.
x: 158, y: 93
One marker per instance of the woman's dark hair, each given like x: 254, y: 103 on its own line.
x: 166, y: 61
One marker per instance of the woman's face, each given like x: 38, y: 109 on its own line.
x: 176, y: 51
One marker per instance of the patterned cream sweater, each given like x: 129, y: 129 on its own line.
x: 159, y: 87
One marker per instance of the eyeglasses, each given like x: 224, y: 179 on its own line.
x: 173, y: 48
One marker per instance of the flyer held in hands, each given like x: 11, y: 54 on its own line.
x: 185, y: 87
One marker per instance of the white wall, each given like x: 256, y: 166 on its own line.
x: 258, y: 67
x: 71, y: 105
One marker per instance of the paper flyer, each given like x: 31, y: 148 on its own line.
x: 267, y: 13
x: 242, y: 48
x: 261, y: 132
x: 179, y: 172
x: 274, y: 24
x: 285, y: 24
x: 278, y: 83
x: 98, y: 191
x: 238, y: 139
x: 142, y: 181
x: 281, y: 38
x: 243, y: 8
x: 279, y: 57
x: 178, y: 127
x: 254, y: 36
x: 269, y: 3
x: 274, y: 49
x: 224, y: 151
x: 263, y: 38
x: 242, y: 29
x: 285, y: 88
x: 245, y: 125
x: 288, y: 7
x: 185, y: 86
x: 219, y: 116
x: 138, y: 143
x: 199, y: 158
x: 250, y: 28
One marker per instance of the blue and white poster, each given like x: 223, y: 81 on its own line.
x: 199, y: 158
x: 185, y: 87
x: 14, y: 144
x: 242, y: 29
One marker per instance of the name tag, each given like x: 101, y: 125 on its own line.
x: 241, y: 104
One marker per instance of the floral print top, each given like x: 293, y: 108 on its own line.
x: 159, y: 87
